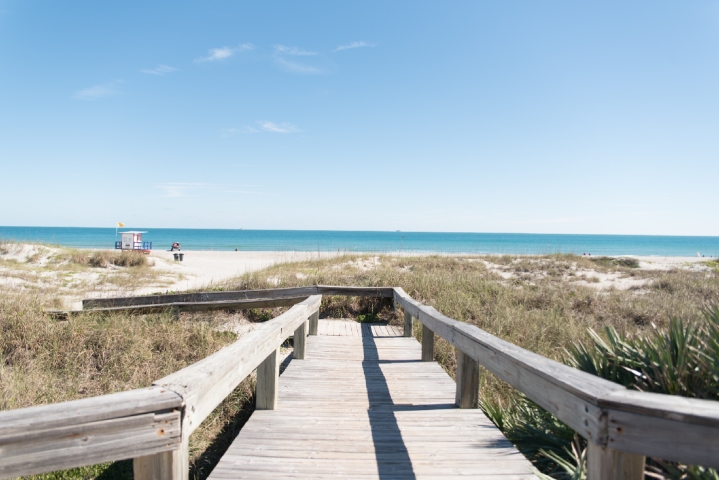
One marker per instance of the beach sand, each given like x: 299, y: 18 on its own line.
x: 202, y: 269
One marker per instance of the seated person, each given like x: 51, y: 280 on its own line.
x: 175, y: 246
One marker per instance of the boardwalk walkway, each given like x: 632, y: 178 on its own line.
x: 362, y: 405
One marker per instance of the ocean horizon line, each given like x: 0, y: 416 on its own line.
x: 366, y: 241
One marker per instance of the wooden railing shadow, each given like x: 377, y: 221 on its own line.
x: 386, y: 435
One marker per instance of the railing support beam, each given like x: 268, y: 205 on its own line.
x: 427, y: 344
x: 408, y: 323
x: 604, y: 463
x: 268, y: 376
x: 467, y: 395
x: 300, y: 342
x: 314, y: 322
x: 172, y: 465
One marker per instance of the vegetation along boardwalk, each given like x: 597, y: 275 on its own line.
x: 357, y: 400
x: 362, y: 404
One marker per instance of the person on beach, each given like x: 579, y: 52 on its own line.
x: 175, y: 246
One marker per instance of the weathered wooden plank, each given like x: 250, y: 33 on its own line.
x: 673, y: 440
x: 427, y: 344
x: 604, y: 463
x: 206, y: 383
x: 408, y: 323
x: 268, y: 374
x: 382, y: 292
x: 179, y: 307
x: 467, y: 392
x: 88, y: 443
x: 299, y: 341
x: 172, y: 465
x: 314, y: 319
x: 26, y: 423
x: 273, y: 293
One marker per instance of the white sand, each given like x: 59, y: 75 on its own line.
x: 201, y: 269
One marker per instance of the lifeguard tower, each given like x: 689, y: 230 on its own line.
x: 132, y: 240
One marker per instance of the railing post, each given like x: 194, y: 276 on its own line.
x: 268, y: 375
x: 427, y: 344
x: 467, y: 395
x: 408, y: 322
x: 300, y: 342
x: 604, y: 463
x: 172, y: 465
x: 314, y: 322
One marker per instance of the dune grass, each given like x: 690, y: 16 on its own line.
x: 46, y: 361
x: 543, y: 304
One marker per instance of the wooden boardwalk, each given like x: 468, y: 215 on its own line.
x: 363, y: 405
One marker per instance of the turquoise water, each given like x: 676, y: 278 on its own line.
x: 309, y: 240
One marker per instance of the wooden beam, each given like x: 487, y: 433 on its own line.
x: 379, y: 292
x: 604, y: 463
x: 84, y: 432
x: 408, y: 323
x: 299, y: 342
x: 467, y: 395
x: 427, y: 344
x: 172, y: 465
x: 272, y: 293
x: 314, y: 322
x: 268, y: 375
x: 178, y: 307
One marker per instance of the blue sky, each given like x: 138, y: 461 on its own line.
x: 517, y: 116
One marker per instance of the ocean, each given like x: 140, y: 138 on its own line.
x: 325, y: 240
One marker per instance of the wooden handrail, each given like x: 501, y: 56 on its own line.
x: 88, y: 431
x: 605, y: 413
x: 178, y: 307
x: 274, y: 293
x: 203, y: 385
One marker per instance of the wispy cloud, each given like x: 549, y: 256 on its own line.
x: 240, y: 131
x: 292, y: 50
x: 354, y: 45
x: 295, y: 67
x: 97, y: 91
x: 277, y: 127
x: 263, y: 126
x: 223, y: 53
x: 283, y: 51
x: 159, y: 70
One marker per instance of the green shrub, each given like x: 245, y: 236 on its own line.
x: 682, y: 359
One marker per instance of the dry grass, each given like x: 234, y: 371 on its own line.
x: 539, y: 308
x: 45, y: 361
x: 105, y: 258
x: 534, y: 302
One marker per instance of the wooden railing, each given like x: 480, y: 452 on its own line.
x: 153, y: 425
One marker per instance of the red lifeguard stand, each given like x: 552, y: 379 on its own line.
x: 132, y: 240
